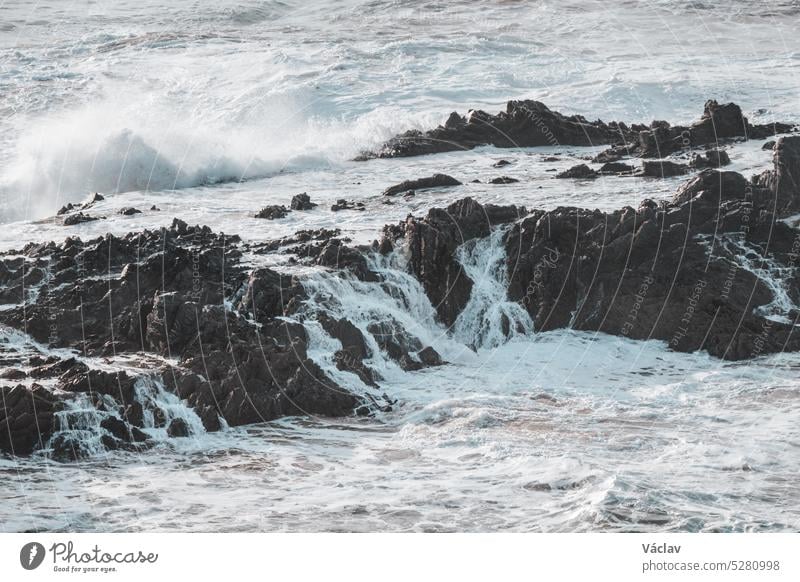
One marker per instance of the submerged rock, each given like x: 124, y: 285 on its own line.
x: 581, y: 171
x: 302, y: 202
x: 616, y: 168
x: 503, y: 180
x: 434, y: 181
x: 712, y: 159
x: 531, y: 123
x: 522, y: 124
x: 663, y: 169
x: 78, y: 218
x: 343, y: 204
x: 273, y: 212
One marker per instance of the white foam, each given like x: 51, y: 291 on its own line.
x: 489, y: 319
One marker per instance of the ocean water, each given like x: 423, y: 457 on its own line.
x: 211, y: 110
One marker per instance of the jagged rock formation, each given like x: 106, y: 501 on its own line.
x: 686, y: 271
x: 531, y: 123
x: 435, y: 181
x: 713, y: 269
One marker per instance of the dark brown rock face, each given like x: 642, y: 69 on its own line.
x: 433, y: 240
x: 179, y: 292
x: 581, y: 171
x: 677, y: 272
x: 522, y: 124
x: 26, y: 418
x: 691, y: 272
x: 435, y: 181
x: 784, y: 180
x: 532, y: 123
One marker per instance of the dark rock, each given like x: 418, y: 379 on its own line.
x: 118, y: 428
x: 336, y: 254
x: 581, y: 171
x: 302, y: 202
x: 503, y: 180
x: 711, y: 159
x: 432, y: 243
x: 617, y: 168
x: 662, y: 169
x: 267, y: 294
x: 651, y: 273
x: 129, y: 211
x: 13, y: 374
x: 782, y: 184
x: 522, y: 124
x: 69, y: 207
x: 430, y: 357
x: 343, y: 204
x: 501, y: 163
x: 348, y: 334
x: 531, y: 123
x: 178, y: 428
x: 273, y: 212
x: 768, y: 145
x: 26, y: 418
x: 719, y: 123
x: 179, y: 292
x: 712, y: 185
x: 435, y: 181
x: 78, y: 218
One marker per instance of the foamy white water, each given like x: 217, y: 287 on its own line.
x: 211, y: 110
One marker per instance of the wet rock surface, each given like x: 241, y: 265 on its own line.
x: 434, y: 181
x: 523, y: 124
x: 690, y: 271
x: 532, y: 123
x: 581, y: 172
x: 273, y: 212
x: 713, y: 268
x: 302, y: 202
x: 179, y: 293
x: 433, y: 240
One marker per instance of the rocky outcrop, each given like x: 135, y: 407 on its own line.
x: 343, y: 204
x: 79, y: 218
x: 26, y: 418
x: 692, y: 271
x: 663, y: 169
x: 784, y: 180
x: 532, y: 123
x: 434, y: 181
x: 503, y: 180
x: 433, y: 240
x: 522, y: 124
x: 180, y: 293
x: 581, y: 172
x: 719, y: 123
x: 302, y: 201
x: 273, y: 212
x: 711, y: 159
